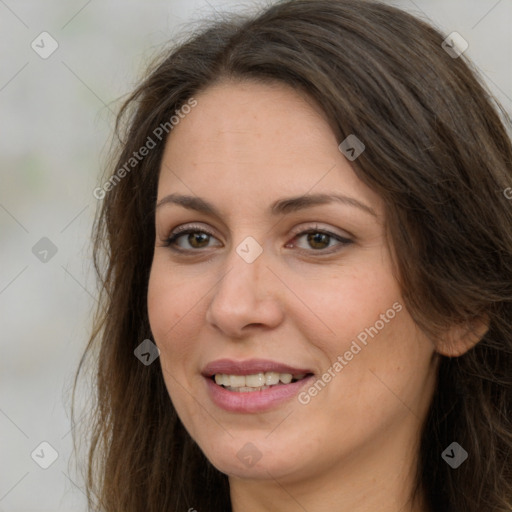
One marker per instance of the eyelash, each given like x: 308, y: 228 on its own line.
x: 197, y: 229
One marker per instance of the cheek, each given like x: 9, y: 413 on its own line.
x: 172, y: 310
x: 172, y: 304
x: 343, y: 304
x: 384, y: 369
x: 359, y: 313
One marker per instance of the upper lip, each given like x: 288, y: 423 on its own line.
x: 249, y: 367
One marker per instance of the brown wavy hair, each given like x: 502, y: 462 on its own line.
x: 438, y: 154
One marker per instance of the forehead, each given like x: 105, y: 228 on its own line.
x: 239, y: 117
x: 256, y: 140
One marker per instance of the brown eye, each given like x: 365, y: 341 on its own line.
x: 189, y: 239
x: 318, y: 240
x: 315, y: 240
x: 198, y: 240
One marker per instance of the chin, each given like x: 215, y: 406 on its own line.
x: 259, y: 459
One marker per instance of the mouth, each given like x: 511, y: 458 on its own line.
x: 253, y: 385
x: 256, y: 381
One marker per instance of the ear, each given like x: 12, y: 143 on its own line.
x: 462, y: 337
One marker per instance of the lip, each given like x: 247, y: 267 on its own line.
x: 249, y: 367
x: 252, y: 401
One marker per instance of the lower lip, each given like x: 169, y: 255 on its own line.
x: 253, y: 401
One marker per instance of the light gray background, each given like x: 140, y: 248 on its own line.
x: 56, y: 118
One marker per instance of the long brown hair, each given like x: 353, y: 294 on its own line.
x: 439, y: 156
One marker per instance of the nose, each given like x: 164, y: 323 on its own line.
x: 247, y: 297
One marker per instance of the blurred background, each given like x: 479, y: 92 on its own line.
x: 63, y: 67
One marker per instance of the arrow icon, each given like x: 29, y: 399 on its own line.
x: 454, y: 45
x: 44, y: 45
x: 454, y: 455
x: 44, y: 455
x: 44, y: 250
x: 249, y: 249
x: 147, y: 352
x: 249, y: 455
x: 351, y: 147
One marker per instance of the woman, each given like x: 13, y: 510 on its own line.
x: 307, y: 290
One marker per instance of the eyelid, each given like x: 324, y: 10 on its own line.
x: 316, y: 226
x: 182, y: 230
x: 189, y: 227
x: 342, y: 242
x: 299, y: 230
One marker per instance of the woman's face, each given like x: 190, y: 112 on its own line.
x: 282, y: 272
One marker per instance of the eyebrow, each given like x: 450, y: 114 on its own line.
x: 279, y: 207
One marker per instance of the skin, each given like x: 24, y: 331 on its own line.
x: 354, y: 446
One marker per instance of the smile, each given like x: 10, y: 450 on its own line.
x: 254, y: 385
x: 255, y: 382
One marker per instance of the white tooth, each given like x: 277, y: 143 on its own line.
x: 255, y: 381
x: 247, y: 389
x: 237, y: 381
x: 271, y: 378
x: 285, y: 378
